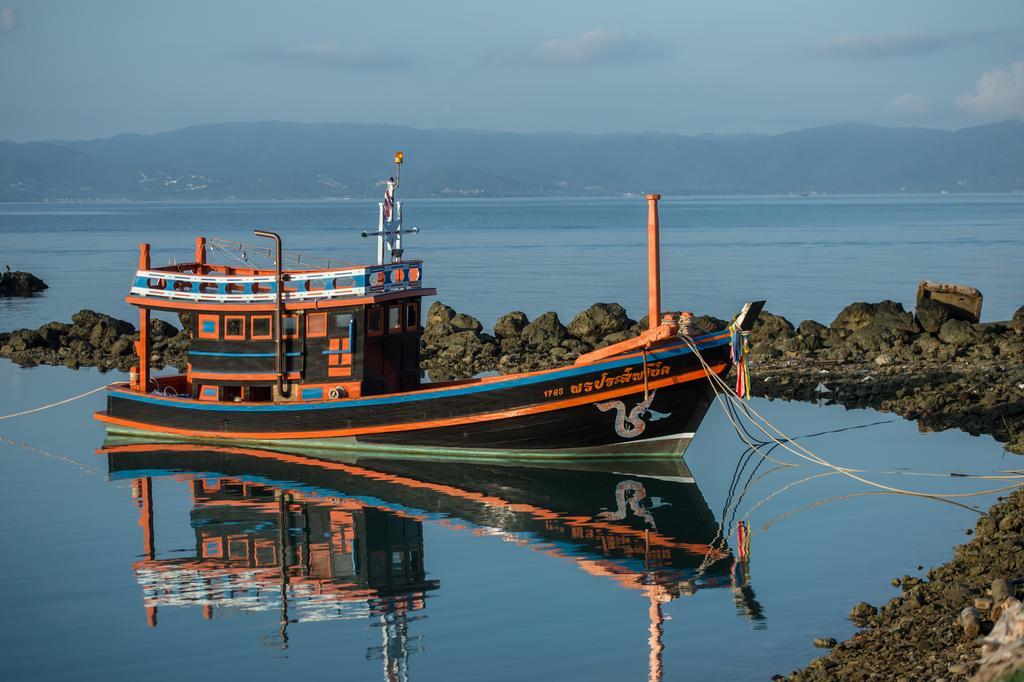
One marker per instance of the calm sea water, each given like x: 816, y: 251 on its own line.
x: 481, y: 589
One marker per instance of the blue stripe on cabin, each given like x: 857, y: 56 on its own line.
x: 313, y: 394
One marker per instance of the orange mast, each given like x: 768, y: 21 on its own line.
x: 653, y: 263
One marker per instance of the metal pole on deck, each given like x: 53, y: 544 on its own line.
x: 653, y: 263
x: 278, y: 336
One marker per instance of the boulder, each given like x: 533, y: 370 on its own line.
x: 769, y: 326
x: 20, y: 284
x: 959, y: 333
x: 598, y: 321
x: 463, y: 322
x: 885, y: 315
x: 544, y: 332
x: 510, y: 325
x: 931, y: 315
x: 85, y: 321
x: 439, y: 313
x: 1017, y: 322
x: 159, y: 330
x: 706, y: 324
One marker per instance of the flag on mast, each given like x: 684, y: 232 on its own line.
x: 389, y: 198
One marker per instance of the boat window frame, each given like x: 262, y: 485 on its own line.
x: 413, y: 308
x: 234, y: 337
x: 313, y: 334
x: 377, y: 330
x: 284, y: 327
x: 200, y: 322
x: 399, y: 324
x: 269, y: 336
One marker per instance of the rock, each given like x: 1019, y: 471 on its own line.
x: 1011, y: 523
x: 970, y: 622
x: 20, y: 284
x: 544, y: 332
x: 883, y: 360
x: 931, y: 315
x: 159, y: 329
x: 510, y: 325
x: 439, y: 313
x: 825, y: 642
x: 706, y: 324
x: 983, y: 604
x: 769, y: 326
x: 463, y: 322
x: 885, y: 314
x: 1017, y: 322
x: 85, y: 321
x: 1001, y: 589
x: 958, y: 333
x: 598, y: 321
x: 862, y: 611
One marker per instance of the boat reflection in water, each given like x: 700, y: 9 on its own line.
x: 326, y: 540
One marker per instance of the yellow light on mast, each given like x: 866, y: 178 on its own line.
x: 398, y: 157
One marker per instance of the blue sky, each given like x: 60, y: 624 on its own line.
x: 72, y: 69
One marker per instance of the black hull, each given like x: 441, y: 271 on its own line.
x: 606, y: 408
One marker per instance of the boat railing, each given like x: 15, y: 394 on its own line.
x: 216, y: 285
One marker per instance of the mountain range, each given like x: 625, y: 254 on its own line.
x: 280, y: 160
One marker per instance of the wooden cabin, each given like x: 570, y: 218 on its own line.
x: 280, y: 335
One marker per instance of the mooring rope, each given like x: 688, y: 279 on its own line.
x: 59, y: 402
x: 776, y: 435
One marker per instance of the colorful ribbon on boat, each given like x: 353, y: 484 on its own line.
x: 739, y: 349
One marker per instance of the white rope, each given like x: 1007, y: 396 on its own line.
x: 46, y: 407
x: 800, y: 451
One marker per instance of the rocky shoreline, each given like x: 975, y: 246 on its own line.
x: 930, y: 631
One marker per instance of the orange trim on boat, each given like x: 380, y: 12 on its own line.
x: 317, y: 304
x: 412, y: 426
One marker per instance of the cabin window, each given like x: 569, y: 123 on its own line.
x: 209, y: 327
x: 260, y: 394
x: 316, y: 325
x: 234, y: 327
x: 395, y: 318
x: 374, y: 321
x: 261, y: 328
x: 231, y: 393
x: 412, y: 317
x: 289, y: 327
x: 340, y: 322
x: 209, y: 393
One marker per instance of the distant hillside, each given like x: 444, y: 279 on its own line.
x: 294, y: 161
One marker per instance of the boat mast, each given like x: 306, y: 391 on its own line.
x: 653, y: 263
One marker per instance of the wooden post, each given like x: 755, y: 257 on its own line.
x: 653, y: 263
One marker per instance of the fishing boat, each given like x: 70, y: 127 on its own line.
x: 326, y: 356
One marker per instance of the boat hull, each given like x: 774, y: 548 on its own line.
x: 649, y: 405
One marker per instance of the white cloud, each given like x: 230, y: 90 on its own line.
x: 999, y: 92
x: 598, y: 46
x: 329, y: 56
x: 901, y: 43
x: 8, y: 19
x: 909, y: 104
